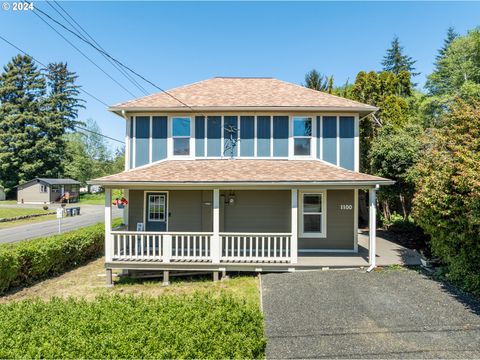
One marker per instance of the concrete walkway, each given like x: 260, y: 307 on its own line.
x: 90, y: 214
x: 352, y: 314
x: 388, y: 253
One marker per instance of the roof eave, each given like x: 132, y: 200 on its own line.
x: 120, y: 110
x: 355, y: 183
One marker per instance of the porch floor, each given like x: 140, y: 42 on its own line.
x: 388, y: 253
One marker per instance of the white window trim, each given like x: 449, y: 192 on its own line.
x: 191, y: 138
x: 313, y: 120
x: 43, y: 189
x: 303, y: 234
x: 160, y: 196
x: 145, y: 204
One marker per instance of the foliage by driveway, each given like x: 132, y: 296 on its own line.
x: 352, y: 314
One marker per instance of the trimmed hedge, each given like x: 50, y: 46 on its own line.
x: 200, y: 326
x: 28, y: 261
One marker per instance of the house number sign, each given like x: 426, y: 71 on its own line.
x: 346, y: 207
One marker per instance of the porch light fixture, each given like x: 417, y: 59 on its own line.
x: 231, y: 198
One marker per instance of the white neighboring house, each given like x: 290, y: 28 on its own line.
x: 2, y: 193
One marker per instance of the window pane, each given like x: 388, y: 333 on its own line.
x: 181, y: 146
x: 181, y: 127
x: 312, y: 203
x: 302, y: 146
x: 312, y: 223
x: 302, y: 127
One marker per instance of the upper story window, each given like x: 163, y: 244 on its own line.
x: 302, y: 136
x: 181, y: 135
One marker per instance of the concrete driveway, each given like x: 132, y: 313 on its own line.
x: 90, y: 214
x: 352, y: 314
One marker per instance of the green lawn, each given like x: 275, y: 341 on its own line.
x: 8, y: 202
x: 93, y: 199
x: 9, y: 212
x: 98, y: 199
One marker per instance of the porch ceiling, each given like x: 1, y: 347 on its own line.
x: 239, y: 171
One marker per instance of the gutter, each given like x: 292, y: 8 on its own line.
x: 244, y: 183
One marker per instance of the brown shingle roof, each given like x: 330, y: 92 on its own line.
x: 225, y: 92
x: 239, y: 171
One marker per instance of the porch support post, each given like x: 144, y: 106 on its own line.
x: 372, y: 228
x: 294, y: 228
x: 166, y: 248
x: 215, y: 243
x: 125, y: 209
x: 108, y: 225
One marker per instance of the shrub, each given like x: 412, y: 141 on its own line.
x: 447, y: 204
x: 167, y: 327
x: 27, y: 261
x: 45, y: 207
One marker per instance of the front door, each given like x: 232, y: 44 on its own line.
x: 156, y: 211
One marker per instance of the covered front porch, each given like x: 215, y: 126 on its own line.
x: 235, y: 229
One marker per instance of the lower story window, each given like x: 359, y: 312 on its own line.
x: 312, y: 221
x: 43, y: 188
x: 156, y: 207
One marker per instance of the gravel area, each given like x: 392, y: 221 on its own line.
x: 352, y: 314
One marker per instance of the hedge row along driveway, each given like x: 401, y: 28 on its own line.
x: 25, y: 262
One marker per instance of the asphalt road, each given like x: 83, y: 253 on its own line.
x: 352, y: 314
x: 90, y: 214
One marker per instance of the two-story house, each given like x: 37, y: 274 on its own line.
x: 239, y: 174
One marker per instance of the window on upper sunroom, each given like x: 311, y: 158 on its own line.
x: 302, y: 136
x: 181, y: 136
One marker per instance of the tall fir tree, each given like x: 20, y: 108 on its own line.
x: 451, y: 35
x: 22, y: 120
x: 62, y: 105
x: 396, y: 61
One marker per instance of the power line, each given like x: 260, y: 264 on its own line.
x: 76, y: 48
x: 100, y: 134
x: 45, y: 66
x: 111, y: 57
x: 80, y: 30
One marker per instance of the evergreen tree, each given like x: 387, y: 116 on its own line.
x: 23, y: 153
x: 62, y: 106
x: 451, y: 35
x: 317, y: 81
x: 396, y: 61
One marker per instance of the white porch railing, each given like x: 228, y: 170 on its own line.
x: 197, y: 247
x: 256, y: 247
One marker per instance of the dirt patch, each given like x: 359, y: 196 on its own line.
x: 88, y: 281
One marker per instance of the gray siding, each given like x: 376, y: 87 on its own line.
x: 200, y: 136
x: 189, y: 210
x: 214, y: 136
x: 31, y: 193
x: 230, y: 137
x: 159, y: 138
x: 263, y: 135
x: 142, y: 130
x: 280, y: 136
x: 135, y: 209
x: 347, y: 145
x: 330, y: 139
x: 340, y: 224
x: 247, y: 135
x: 256, y: 211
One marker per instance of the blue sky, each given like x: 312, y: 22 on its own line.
x: 177, y: 43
